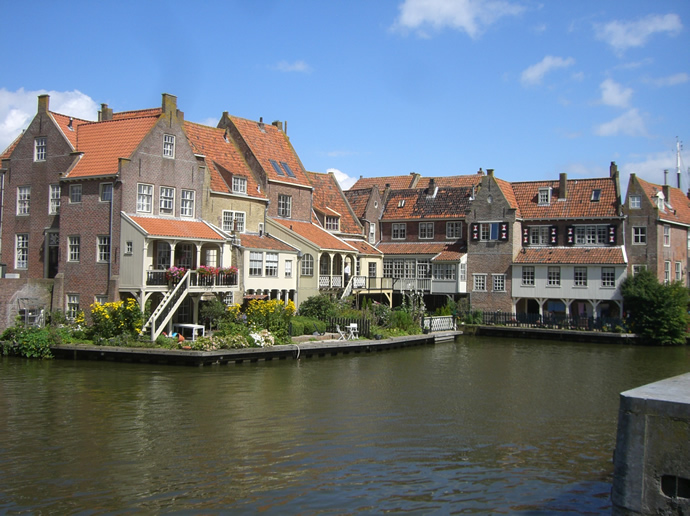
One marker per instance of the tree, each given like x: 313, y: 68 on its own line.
x: 658, y: 312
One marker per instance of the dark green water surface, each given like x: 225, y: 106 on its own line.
x: 476, y: 426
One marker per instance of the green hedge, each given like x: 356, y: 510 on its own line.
x: 305, y: 325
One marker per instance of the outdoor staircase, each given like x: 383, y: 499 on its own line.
x: 166, y: 308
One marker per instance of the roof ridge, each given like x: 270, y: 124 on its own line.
x: 72, y: 117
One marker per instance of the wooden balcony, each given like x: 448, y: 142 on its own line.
x: 198, y: 282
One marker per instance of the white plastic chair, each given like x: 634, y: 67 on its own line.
x: 340, y: 332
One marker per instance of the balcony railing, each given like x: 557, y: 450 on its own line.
x: 404, y: 284
x: 222, y: 279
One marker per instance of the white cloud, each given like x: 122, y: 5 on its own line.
x: 671, y: 80
x: 470, y: 16
x: 535, y: 73
x: 629, y: 123
x: 623, y: 35
x: 297, y: 66
x: 343, y: 179
x: 613, y: 94
x: 651, y: 168
x: 17, y: 108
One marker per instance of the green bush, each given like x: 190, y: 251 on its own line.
x: 319, y: 307
x: 403, y: 321
x: 29, y: 342
x: 296, y: 327
x: 305, y: 325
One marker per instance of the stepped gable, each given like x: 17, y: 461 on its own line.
x: 678, y: 209
x: 316, y: 235
x: 417, y: 203
x: 577, y: 204
x: 268, y: 143
x: 103, y: 143
x: 328, y: 198
x: 68, y: 125
x: 572, y: 256
x: 160, y: 227
x: 222, y: 157
x: 264, y: 242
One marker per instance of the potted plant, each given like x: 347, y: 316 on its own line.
x: 174, y: 274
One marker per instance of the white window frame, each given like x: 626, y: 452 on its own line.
x: 372, y: 269
x: 73, y: 248
x: 667, y: 271
x: 239, y: 184
x: 233, y: 221
x: 635, y: 202
x: 332, y: 223
x: 463, y: 271
x: 539, y: 235
x: 169, y: 146
x: 103, y: 249
x: 285, y: 206
x: 639, y: 235
x: 54, y: 202
x: 23, y: 200
x: 75, y: 194
x: 638, y: 267
x: 544, y: 197
x: 667, y: 235
x: 256, y: 263
x: 498, y: 282
x: 288, y: 268
x: 453, y: 230
x: 372, y: 234
x: 679, y: 271
x: 187, y: 203
x: 553, y: 276
x: 105, y: 192
x: 479, y: 282
x: 144, y: 198
x: 307, y: 267
x: 399, y: 230
x: 166, y: 200
x: 486, y: 231
x: 40, y: 148
x: 101, y: 299
x: 21, y: 256
x: 591, y: 235
x: 580, y: 276
x: 271, y: 265
x: 426, y: 230
x: 528, y: 275
x: 608, y: 277
x: 129, y: 247
x: 72, y: 305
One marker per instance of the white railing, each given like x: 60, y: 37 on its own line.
x: 439, y: 323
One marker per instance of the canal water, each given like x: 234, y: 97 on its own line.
x: 472, y: 426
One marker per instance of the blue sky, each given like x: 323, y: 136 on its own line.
x: 381, y: 87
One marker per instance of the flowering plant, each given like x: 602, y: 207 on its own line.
x: 208, y: 270
x: 228, y: 270
x: 175, y: 273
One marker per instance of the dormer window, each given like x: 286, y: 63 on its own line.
x: 239, y: 184
x: 660, y: 201
x: 332, y: 223
x: 401, y: 203
x: 596, y: 195
x: 544, y: 196
x: 168, y: 146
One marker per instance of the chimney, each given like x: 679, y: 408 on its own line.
x: 563, y: 186
x: 490, y: 172
x: 169, y: 106
x: 480, y: 171
x: 665, y: 178
x: 105, y: 113
x: 278, y: 124
x: 613, y: 170
x: 69, y: 124
x: 667, y: 194
x: 43, y: 103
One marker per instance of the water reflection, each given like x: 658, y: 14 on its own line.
x: 478, y: 425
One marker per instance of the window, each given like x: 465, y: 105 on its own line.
x: 372, y: 269
x: 608, y: 277
x: 72, y: 306
x: 285, y: 206
x: 144, y: 198
x: 275, y: 166
x: 106, y: 192
x: 539, y: 235
x: 463, y: 272
x: 635, y: 202
x: 426, y: 230
x: 239, y: 184
x: 488, y: 231
x: 233, y: 221
x: 580, y: 276
x: 454, y: 229
x: 74, y: 248
x: 444, y: 271
x: 667, y: 236
x: 74, y: 194
x: 332, y: 223
x: 639, y: 235
x: 184, y: 254
x: 101, y: 299
x: 679, y: 271
x: 387, y: 268
x: 591, y: 235
x: 288, y: 268
x: 22, y: 251
x: 307, y: 265
x: 528, y: 275
x: 499, y: 282
x: 23, y: 200
x: 688, y: 239
x: 167, y: 200
x: 479, y: 282
x: 553, y: 278
x: 40, y: 144
x: 256, y: 263
x: 423, y: 269
x: 103, y: 249
x: 399, y: 231
x: 54, y: 205
x: 544, y: 196
x: 287, y: 169
x: 163, y: 255
x: 129, y: 247
x: 596, y: 195
x: 372, y: 234
x: 667, y: 271
x: 637, y: 268
x: 272, y: 264
x: 187, y: 203
x: 212, y: 257
x: 169, y: 146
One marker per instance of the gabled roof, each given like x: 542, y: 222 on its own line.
x: 103, y: 143
x: 509, y: 194
x: 316, y: 235
x: 395, y: 182
x: 578, y: 203
x: 328, y: 198
x: 364, y: 247
x: 411, y: 247
x: 63, y: 122
x: 420, y: 203
x: 679, y: 210
x: 8, y: 151
x: 451, y: 253
x: 137, y: 113
x: 222, y: 157
x: 450, y: 181
x: 177, y: 228
x: 572, y: 255
x: 358, y: 199
x: 268, y: 143
x: 264, y: 242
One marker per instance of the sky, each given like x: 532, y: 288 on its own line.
x: 379, y: 87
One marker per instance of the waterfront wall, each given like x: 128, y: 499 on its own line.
x: 652, y: 457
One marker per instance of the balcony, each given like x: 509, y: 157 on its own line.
x: 198, y: 282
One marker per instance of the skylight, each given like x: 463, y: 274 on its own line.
x: 596, y: 194
x: 277, y: 168
x: 287, y: 168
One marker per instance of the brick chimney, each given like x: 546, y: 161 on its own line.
x: 43, y: 103
x: 490, y: 172
x: 667, y: 193
x: 613, y: 170
x: 105, y: 113
x: 169, y: 106
x: 480, y: 171
x: 278, y: 124
x: 563, y: 186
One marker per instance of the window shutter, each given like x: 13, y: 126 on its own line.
x: 570, y: 235
x: 475, y: 231
x: 553, y: 235
x: 525, y: 236
x: 503, y: 231
x: 612, y: 235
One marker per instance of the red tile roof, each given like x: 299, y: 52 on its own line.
x: 103, y: 143
x: 177, y: 228
x: 329, y: 199
x: 450, y: 181
x: 264, y: 242
x: 451, y: 253
x: 267, y: 143
x: 679, y: 211
x: 411, y: 247
x: 395, y: 182
x: 358, y: 199
x: 364, y: 247
x: 222, y: 157
x: 577, y: 205
x: 8, y: 151
x: 509, y: 194
x: 63, y: 122
x: 572, y: 255
x: 137, y: 113
x: 420, y: 203
x: 317, y: 236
